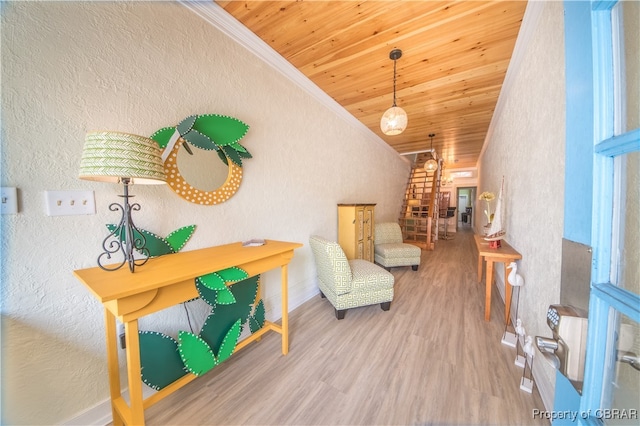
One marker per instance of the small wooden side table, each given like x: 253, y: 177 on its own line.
x: 504, y: 254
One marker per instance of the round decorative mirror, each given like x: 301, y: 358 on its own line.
x: 188, y: 177
x: 203, y: 158
x: 202, y: 169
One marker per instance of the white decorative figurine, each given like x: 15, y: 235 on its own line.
x: 514, y: 280
x: 520, y: 332
x: 526, y: 384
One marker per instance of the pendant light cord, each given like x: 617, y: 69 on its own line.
x: 394, y: 82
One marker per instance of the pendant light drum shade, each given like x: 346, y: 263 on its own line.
x: 394, y: 120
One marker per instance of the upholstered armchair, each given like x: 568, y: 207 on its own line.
x: 349, y: 283
x: 390, y: 250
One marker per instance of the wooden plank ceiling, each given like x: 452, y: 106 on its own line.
x: 454, y: 58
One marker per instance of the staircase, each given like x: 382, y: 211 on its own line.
x: 420, y: 208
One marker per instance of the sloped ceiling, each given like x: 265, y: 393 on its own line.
x: 454, y: 60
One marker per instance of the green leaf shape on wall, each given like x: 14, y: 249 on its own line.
x: 196, y: 138
x: 213, y: 287
x: 233, y: 274
x: 186, y: 124
x: 222, y: 317
x: 195, y: 353
x: 206, y: 294
x: 159, y: 246
x: 159, y: 358
x: 232, y: 155
x: 221, y: 129
x: 241, y: 150
x: 225, y: 297
x: 223, y: 157
x: 178, y: 238
x: 163, y: 136
x: 156, y: 245
x: 229, y: 342
x: 210, y: 132
x: 217, y: 283
x: 256, y: 321
x: 212, y: 281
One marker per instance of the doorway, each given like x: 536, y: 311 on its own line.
x: 465, y: 197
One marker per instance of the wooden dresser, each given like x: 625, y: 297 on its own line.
x: 355, y: 230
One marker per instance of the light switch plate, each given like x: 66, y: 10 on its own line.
x: 66, y: 203
x: 9, y: 200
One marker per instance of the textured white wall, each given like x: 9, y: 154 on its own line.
x: 527, y: 147
x: 68, y: 68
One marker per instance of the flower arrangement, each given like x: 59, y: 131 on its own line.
x: 488, y: 197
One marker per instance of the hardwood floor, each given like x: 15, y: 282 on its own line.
x: 431, y: 359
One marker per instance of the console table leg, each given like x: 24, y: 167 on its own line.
x: 133, y: 372
x: 285, y: 309
x: 488, y: 284
x: 112, y: 364
x: 507, y: 292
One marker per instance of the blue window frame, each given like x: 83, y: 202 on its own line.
x: 602, y: 106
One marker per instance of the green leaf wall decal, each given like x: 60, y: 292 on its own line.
x: 233, y: 274
x: 186, y: 124
x: 225, y: 297
x: 196, y: 138
x: 238, y: 147
x: 256, y: 321
x: 223, y: 157
x: 178, y: 238
x: 160, y: 360
x: 163, y: 136
x: 206, y: 294
x: 210, y: 132
x: 229, y: 342
x: 232, y: 155
x: 156, y: 245
x: 195, y: 353
x: 222, y: 130
x: 212, y: 281
x: 223, y: 316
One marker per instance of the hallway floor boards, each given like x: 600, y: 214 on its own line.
x: 431, y: 359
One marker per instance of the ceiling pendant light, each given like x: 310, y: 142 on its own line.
x: 394, y: 120
x: 431, y: 165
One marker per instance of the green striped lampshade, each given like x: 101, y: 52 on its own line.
x: 110, y: 156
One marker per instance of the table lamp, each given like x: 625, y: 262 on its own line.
x: 127, y: 159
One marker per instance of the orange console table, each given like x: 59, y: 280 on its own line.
x: 163, y: 282
x: 504, y: 254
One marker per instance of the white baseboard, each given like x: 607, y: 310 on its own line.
x: 100, y: 414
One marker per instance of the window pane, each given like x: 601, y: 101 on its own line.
x: 626, y: 242
x: 625, y: 386
x: 627, y: 66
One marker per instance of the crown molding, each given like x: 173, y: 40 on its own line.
x: 215, y: 15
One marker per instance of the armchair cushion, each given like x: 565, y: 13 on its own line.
x: 390, y: 250
x: 332, y: 265
x: 349, y: 283
x: 368, y: 276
